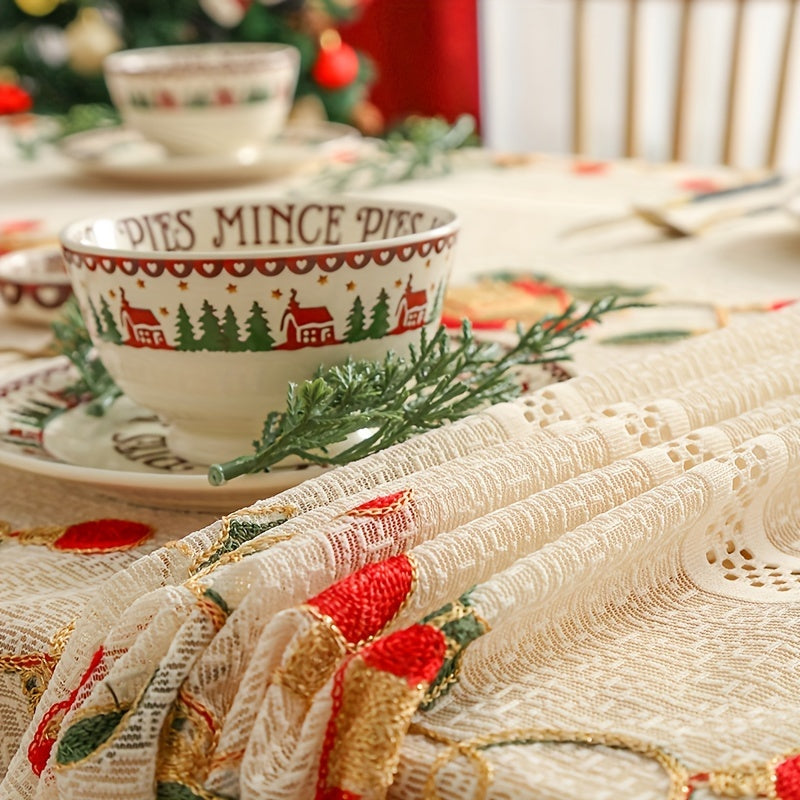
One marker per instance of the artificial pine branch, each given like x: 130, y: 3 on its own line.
x: 377, y: 403
x: 72, y: 341
x: 386, y: 402
x: 422, y: 147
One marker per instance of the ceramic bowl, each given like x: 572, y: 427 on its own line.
x: 34, y: 284
x: 205, y: 314
x: 205, y: 98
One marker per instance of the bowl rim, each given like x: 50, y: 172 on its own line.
x: 70, y: 235
x: 159, y: 61
x: 10, y: 272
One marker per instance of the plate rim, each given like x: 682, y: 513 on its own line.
x: 202, y: 168
x: 163, y: 483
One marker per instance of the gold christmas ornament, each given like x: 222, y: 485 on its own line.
x: 330, y: 39
x: 37, y: 8
x: 308, y: 109
x: 8, y: 75
x: 89, y: 40
x: 368, y: 118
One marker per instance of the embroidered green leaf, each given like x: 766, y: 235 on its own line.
x: 169, y: 790
x: 457, y: 621
x: 650, y: 337
x: 82, y: 738
x: 241, y: 531
x: 218, y: 600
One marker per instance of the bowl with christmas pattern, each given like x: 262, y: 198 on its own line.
x: 34, y: 284
x: 205, y: 99
x: 205, y: 314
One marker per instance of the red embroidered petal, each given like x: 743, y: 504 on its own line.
x: 787, y: 779
x: 103, y: 536
x: 590, y: 167
x: 47, y: 731
x: 387, y: 503
x: 363, y: 603
x: 415, y: 653
x: 700, y: 184
x: 538, y: 289
x: 335, y: 793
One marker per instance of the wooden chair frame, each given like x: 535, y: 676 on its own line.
x: 580, y: 45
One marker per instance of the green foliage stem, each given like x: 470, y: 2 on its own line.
x: 72, y: 340
x: 393, y: 399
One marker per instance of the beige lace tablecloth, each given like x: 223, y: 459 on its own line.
x: 591, y: 592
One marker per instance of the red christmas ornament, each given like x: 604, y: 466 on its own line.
x: 337, y: 63
x: 14, y: 99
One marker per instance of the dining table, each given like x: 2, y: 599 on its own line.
x: 629, y: 688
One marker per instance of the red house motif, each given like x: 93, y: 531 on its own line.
x: 141, y: 327
x: 306, y: 327
x: 411, y: 309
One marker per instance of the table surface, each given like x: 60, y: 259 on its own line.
x: 513, y: 215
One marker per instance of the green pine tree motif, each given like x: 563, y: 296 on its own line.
x: 438, y: 301
x: 211, y: 337
x: 257, y: 94
x: 230, y: 331
x: 259, y: 336
x: 379, y: 325
x: 185, y: 338
x: 356, y: 328
x: 98, y: 324
x: 110, y: 330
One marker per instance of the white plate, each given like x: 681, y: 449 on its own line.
x: 123, y: 154
x: 122, y: 454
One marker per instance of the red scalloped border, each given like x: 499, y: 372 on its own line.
x: 269, y: 267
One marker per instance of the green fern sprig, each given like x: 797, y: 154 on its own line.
x: 381, y: 403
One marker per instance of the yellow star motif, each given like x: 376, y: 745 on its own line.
x: 351, y: 285
x: 183, y: 286
x: 398, y: 283
x: 277, y: 294
x: 322, y: 280
x: 112, y: 293
x: 230, y: 288
x: 164, y: 311
x: 140, y: 283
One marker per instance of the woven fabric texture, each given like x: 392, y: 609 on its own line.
x: 591, y: 592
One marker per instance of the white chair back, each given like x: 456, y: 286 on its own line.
x: 704, y: 81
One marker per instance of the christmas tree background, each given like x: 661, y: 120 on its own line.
x: 54, y: 49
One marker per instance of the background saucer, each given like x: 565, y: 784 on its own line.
x: 123, y: 154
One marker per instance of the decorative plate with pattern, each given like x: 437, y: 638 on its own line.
x: 45, y: 431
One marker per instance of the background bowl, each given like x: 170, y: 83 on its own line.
x: 34, y: 284
x: 205, y: 314
x: 205, y: 98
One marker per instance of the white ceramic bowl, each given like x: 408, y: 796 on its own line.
x: 34, y: 284
x: 205, y: 98
x: 205, y: 314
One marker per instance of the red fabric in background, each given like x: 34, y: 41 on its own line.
x: 426, y: 56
